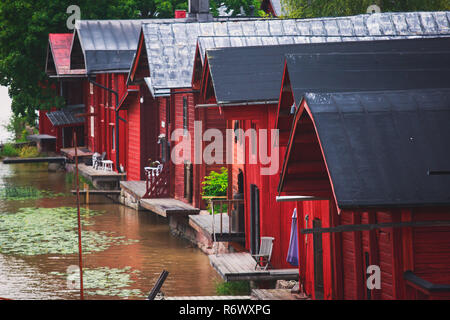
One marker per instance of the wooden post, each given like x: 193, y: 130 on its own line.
x: 86, y: 187
x: 80, y: 251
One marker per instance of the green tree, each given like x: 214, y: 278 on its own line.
x: 24, y: 29
x: 234, y: 7
x: 334, y: 8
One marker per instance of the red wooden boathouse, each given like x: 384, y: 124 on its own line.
x: 107, y: 64
x: 369, y: 154
x: 70, y: 86
x: 248, y: 101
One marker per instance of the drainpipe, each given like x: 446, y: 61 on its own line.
x: 116, y: 109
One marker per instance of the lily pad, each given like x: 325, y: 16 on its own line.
x: 38, y: 231
x: 20, y: 193
x: 106, y: 281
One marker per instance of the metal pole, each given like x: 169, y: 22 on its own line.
x: 80, y: 249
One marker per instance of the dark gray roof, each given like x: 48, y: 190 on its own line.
x: 108, y: 45
x: 370, y: 71
x: 66, y: 116
x: 205, y: 43
x: 171, y: 46
x: 254, y: 73
x: 385, y: 148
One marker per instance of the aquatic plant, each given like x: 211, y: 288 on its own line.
x: 106, y: 281
x: 26, y: 193
x: 38, y: 231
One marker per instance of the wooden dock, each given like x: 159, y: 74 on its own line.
x: 82, y: 152
x: 168, y: 206
x: 163, y: 207
x: 277, y: 294
x: 203, y: 224
x: 34, y: 160
x: 105, y: 180
x: 241, y: 267
x: 135, y: 188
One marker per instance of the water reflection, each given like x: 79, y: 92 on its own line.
x: 31, y: 277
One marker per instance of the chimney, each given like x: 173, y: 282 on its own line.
x: 199, y: 10
x: 180, y: 14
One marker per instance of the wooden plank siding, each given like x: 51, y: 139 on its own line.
x: 134, y: 141
x: 275, y: 218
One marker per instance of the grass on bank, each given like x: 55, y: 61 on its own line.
x: 9, y: 150
x: 234, y: 288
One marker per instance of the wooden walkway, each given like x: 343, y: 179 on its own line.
x: 90, y: 172
x: 82, y: 152
x: 203, y: 224
x: 168, y: 206
x: 241, y: 266
x: 209, y: 298
x: 163, y: 206
x: 136, y: 188
x: 277, y: 294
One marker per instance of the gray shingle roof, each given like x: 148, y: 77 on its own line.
x: 171, y: 46
x: 109, y: 45
x: 205, y: 43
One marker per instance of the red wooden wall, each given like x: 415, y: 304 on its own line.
x: 275, y: 217
x: 74, y: 92
x: 102, y: 103
x: 346, y: 255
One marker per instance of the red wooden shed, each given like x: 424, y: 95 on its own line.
x: 233, y: 82
x: 107, y: 63
x: 372, y: 182
x: 71, y: 85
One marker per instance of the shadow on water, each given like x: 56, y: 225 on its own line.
x: 41, y: 276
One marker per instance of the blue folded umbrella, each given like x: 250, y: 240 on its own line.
x: 292, y: 256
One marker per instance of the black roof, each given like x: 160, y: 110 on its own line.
x: 66, y: 116
x: 385, y: 148
x: 254, y: 73
x: 370, y: 71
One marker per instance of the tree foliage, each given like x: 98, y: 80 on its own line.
x: 24, y: 29
x: 335, y: 8
x: 216, y: 183
x: 236, y: 7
